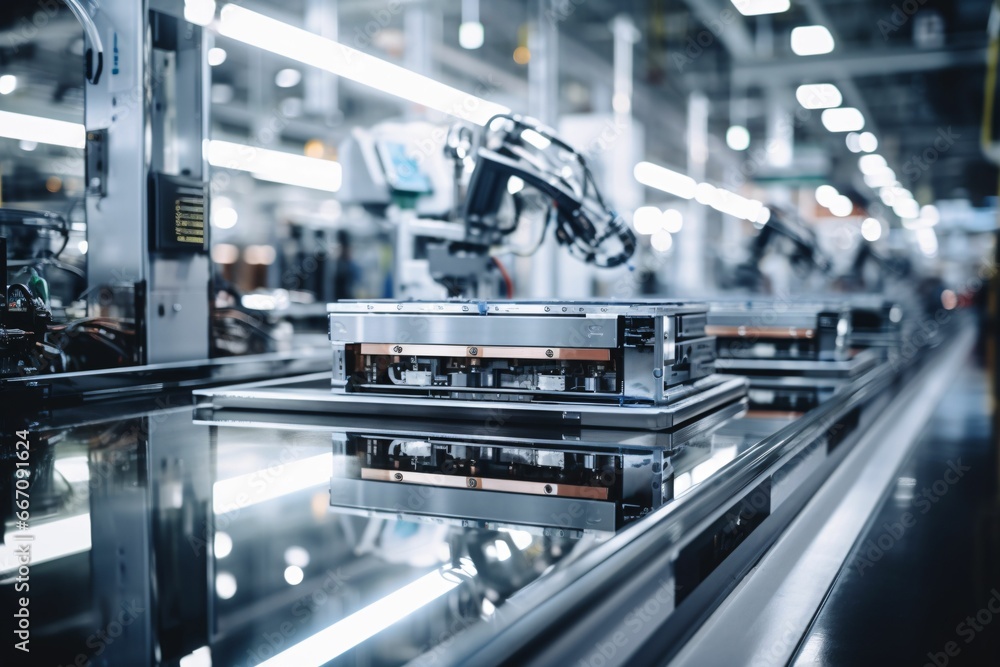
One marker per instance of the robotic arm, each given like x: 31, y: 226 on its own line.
x: 514, y: 147
x: 804, y: 254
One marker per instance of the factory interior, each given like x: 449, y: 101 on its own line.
x: 590, y: 333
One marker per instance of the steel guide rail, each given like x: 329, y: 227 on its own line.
x: 128, y: 381
x: 533, y: 623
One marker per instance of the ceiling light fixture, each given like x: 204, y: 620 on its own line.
x: 843, y: 119
x: 760, y: 7
x: 819, y: 96
x: 305, y: 47
x: 811, y: 40
x: 667, y: 180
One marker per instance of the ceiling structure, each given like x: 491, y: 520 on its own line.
x: 916, y: 77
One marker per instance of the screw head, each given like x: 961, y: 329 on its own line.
x: 549, y: 353
x: 473, y: 351
x: 472, y: 483
x: 397, y: 349
x: 398, y: 476
x: 548, y: 488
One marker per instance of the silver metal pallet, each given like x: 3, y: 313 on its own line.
x: 311, y: 394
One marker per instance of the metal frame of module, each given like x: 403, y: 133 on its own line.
x: 622, y: 340
x: 616, y: 365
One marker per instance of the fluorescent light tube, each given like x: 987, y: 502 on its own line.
x: 50, y: 541
x: 844, y: 119
x: 819, y: 95
x: 276, y: 166
x: 759, y: 7
x: 246, y: 490
x: 42, y: 130
x: 286, y: 40
x: 811, y: 40
x: 664, y: 179
x: 872, y: 163
x: 365, y: 623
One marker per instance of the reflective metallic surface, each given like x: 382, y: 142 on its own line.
x: 160, y: 534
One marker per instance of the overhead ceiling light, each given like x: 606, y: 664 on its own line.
x: 872, y: 164
x: 276, y: 166
x: 927, y: 241
x: 471, y: 35
x: 662, y: 241
x: 735, y: 205
x: 470, y: 32
x: 842, y: 206
x: 41, y: 130
x: 305, y: 47
x: 667, y: 180
x: 706, y: 193
x: 216, y: 56
x: 539, y: 141
x: 673, y: 221
x: 906, y: 208
x: 738, y: 138
x: 199, y: 12
x: 871, y: 230
x: 853, y: 141
x: 894, y: 193
x: 826, y: 195
x: 287, y: 78
x: 819, y: 96
x: 647, y: 220
x: 844, y: 119
x: 811, y: 40
x: 759, y: 7
x: 763, y: 217
x: 880, y: 179
x: 8, y: 83
x: 224, y: 217
x: 294, y: 575
x: 927, y: 217
x: 297, y: 556
x: 868, y: 142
